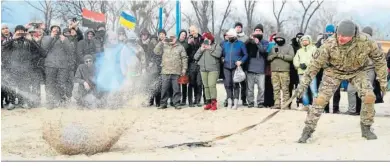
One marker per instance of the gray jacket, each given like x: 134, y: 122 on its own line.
x: 57, y: 56
x: 208, y: 60
x: 280, y: 61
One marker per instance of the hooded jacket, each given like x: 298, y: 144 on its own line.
x: 86, y: 46
x: 208, y: 60
x: 305, y: 54
x: 280, y: 60
x: 233, y: 52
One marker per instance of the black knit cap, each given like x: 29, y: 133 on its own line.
x: 238, y: 24
x: 162, y: 31
x: 259, y: 26
x: 183, y: 30
x: 20, y: 27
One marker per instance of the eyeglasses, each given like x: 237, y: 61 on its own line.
x: 88, y: 61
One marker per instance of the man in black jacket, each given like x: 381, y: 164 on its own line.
x: 195, y: 84
x: 19, y: 53
x: 257, y: 52
x: 58, y: 49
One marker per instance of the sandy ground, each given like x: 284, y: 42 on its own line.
x: 338, y: 137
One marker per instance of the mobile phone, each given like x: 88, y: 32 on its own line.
x: 276, y: 49
x: 74, y: 19
x: 168, y: 40
x: 206, y: 42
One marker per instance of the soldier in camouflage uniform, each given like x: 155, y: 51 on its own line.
x: 280, y: 57
x: 344, y: 56
x: 174, y: 64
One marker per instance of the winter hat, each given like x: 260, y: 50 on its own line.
x: 20, y: 27
x: 329, y: 28
x: 238, y: 24
x: 367, y: 30
x: 144, y: 31
x: 259, y: 26
x: 163, y: 31
x: 231, y: 32
x: 51, y: 28
x: 209, y: 36
x: 65, y: 30
x: 346, y: 28
x: 299, y: 35
x: 88, y: 56
x: 183, y: 30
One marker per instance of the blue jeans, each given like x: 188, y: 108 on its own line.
x: 314, y: 91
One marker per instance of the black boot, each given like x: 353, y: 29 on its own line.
x: 366, y: 132
x: 244, y: 103
x: 306, y: 134
x: 251, y: 105
x: 225, y: 103
x: 162, y: 107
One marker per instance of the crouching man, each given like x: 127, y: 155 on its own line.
x: 85, y: 93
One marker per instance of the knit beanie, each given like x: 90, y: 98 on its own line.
x: 367, y: 30
x: 346, y: 28
x: 231, y: 32
x: 88, y: 56
x: 209, y: 36
x: 20, y: 27
x: 259, y: 26
x: 162, y: 31
x: 238, y: 24
x: 329, y: 28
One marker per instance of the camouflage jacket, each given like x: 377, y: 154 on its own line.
x: 345, y: 62
x: 174, y: 58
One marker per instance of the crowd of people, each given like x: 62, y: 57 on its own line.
x: 99, y: 62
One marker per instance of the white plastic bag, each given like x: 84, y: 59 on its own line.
x: 239, y: 75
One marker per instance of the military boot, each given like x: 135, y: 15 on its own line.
x: 366, y: 132
x: 306, y: 134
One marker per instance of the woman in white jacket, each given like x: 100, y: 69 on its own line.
x: 301, y: 60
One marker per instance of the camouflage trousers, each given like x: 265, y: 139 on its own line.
x: 327, y: 88
x: 280, y: 83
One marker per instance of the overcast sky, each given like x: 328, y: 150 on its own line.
x: 365, y: 12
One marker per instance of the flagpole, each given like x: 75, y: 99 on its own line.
x: 160, y: 15
x: 178, y: 17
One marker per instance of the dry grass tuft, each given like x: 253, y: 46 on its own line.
x: 83, y: 132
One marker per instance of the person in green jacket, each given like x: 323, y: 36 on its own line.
x: 302, y: 59
x: 280, y: 57
x: 208, y: 58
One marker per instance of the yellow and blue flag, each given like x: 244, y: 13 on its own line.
x: 127, y: 20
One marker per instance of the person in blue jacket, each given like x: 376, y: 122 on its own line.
x: 234, y: 54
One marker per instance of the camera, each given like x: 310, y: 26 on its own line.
x: 206, y: 42
x: 74, y: 19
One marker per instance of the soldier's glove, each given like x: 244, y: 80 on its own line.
x: 303, y: 66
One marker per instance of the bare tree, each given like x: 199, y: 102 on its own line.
x: 212, y: 17
x: 202, y: 13
x: 114, y: 9
x: 46, y: 7
x: 226, y: 14
x: 325, y: 15
x: 249, y: 8
x: 188, y: 19
x: 277, y: 15
x: 4, y: 8
x: 306, y: 8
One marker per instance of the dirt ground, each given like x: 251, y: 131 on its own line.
x: 338, y: 137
